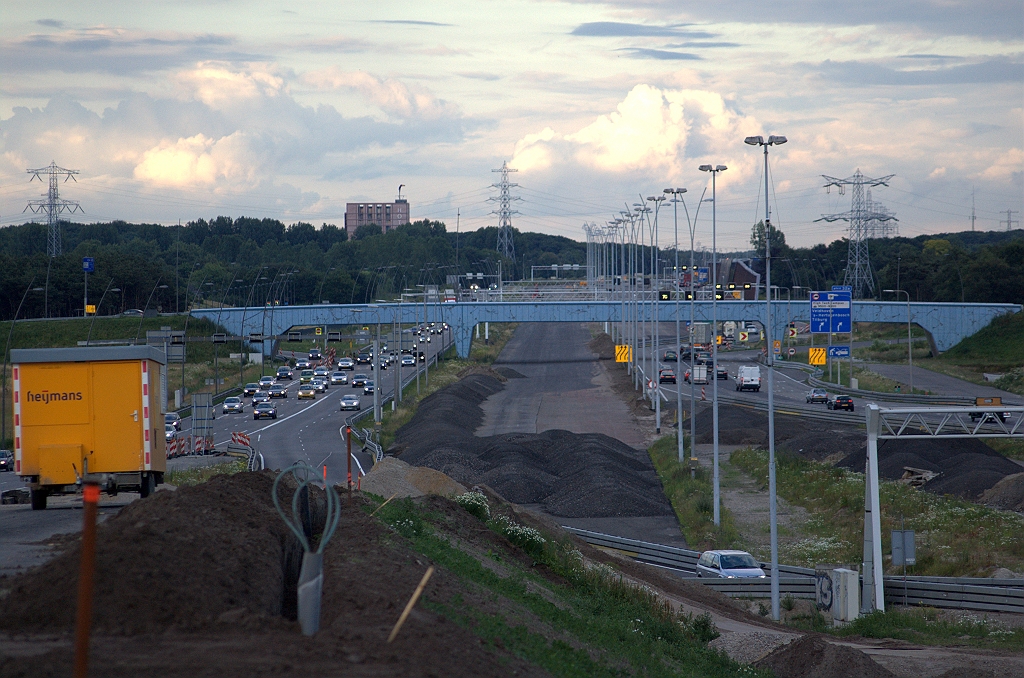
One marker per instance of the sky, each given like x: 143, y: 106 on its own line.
x: 185, y: 109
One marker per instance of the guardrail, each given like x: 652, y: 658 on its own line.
x: 894, y: 397
x: 958, y: 593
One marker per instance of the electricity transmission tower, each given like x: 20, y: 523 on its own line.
x: 504, y: 212
x: 1010, y: 221
x: 867, y: 219
x: 52, y: 206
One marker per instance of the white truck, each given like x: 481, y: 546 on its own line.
x: 748, y: 378
x: 699, y: 376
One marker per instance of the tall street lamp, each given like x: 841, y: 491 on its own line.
x: 714, y: 326
x: 656, y: 327
x: 7, y: 352
x: 676, y: 194
x: 910, y: 341
x: 773, y: 140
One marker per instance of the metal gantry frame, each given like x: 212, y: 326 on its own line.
x: 898, y: 423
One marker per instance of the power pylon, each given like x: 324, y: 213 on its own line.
x: 53, y: 205
x: 865, y: 220
x: 504, y: 212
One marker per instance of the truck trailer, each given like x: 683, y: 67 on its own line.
x: 89, y: 413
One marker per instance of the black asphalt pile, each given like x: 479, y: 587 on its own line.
x: 567, y: 474
x: 739, y: 425
x: 812, y: 657
x: 967, y: 466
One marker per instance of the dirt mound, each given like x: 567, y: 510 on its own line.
x: 603, y: 346
x: 967, y: 466
x: 738, y: 425
x: 177, y: 560
x: 813, y: 657
x: 568, y: 474
x: 393, y: 477
x: 1007, y: 494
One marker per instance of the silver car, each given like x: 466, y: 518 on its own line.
x: 338, y: 378
x: 319, y: 385
x: 728, y: 565
x: 350, y: 401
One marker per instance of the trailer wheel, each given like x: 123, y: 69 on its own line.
x: 147, y: 486
x: 39, y: 499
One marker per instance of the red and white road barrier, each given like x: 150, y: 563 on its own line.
x: 240, y: 438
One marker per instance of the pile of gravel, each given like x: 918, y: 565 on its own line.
x: 566, y: 474
x: 1008, y: 493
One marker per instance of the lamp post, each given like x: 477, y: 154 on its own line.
x: 910, y: 341
x: 773, y: 140
x: 375, y: 365
x: 88, y: 337
x: 714, y: 327
x: 656, y: 326
x: 7, y: 352
x: 156, y: 287
x: 680, y: 451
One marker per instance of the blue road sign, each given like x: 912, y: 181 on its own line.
x: 842, y: 288
x: 703, y: 275
x: 838, y: 351
x: 88, y: 264
x: 830, y: 312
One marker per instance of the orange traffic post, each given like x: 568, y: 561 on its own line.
x: 348, y: 443
x: 83, y: 623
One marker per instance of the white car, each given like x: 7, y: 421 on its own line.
x: 408, y: 360
x: 338, y: 378
x: 350, y: 401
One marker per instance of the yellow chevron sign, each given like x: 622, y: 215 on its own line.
x: 817, y: 356
x: 623, y: 353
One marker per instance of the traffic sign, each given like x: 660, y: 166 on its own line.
x: 623, y: 353
x: 838, y: 351
x: 816, y: 356
x: 842, y: 288
x: 830, y: 312
x: 791, y: 332
x: 744, y: 336
x: 792, y: 352
x: 777, y: 346
x: 88, y: 264
x: 90, y: 309
x: 319, y: 331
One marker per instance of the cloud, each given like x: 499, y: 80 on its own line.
x: 613, y: 29
x: 408, y: 22
x: 937, y: 172
x: 1008, y: 166
x: 50, y: 23
x: 389, y: 95
x: 221, y: 85
x: 199, y: 160
x: 869, y: 74
x: 660, y: 54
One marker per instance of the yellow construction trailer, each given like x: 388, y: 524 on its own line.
x: 89, y: 412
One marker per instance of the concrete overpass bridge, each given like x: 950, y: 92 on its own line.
x: 945, y: 323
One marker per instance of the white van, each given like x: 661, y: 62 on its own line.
x: 748, y: 378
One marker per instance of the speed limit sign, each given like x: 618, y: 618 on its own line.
x: 792, y: 352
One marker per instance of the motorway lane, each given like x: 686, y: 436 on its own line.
x: 311, y: 430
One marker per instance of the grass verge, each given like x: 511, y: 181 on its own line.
x: 692, y: 499
x: 955, y: 538
x: 200, y: 474
x: 601, y: 624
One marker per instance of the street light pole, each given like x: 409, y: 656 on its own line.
x: 656, y: 329
x: 772, y: 509
x: 680, y: 449
x: 910, y: 341
x: 714, y: 326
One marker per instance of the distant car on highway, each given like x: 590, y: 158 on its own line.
x: 133, y: 312
x: 817, y: 395
x: 284, y: 373
x: 169, y: 433
x: 363, y: 359
x: 174, y: 419
x: 307, y: 391
x: 666, y: 376
x: 670, y: 357
x: 729, y: 565
x: 278, y: 391
x: 346, y: 364
x: 702, y: 357
x: 314, y: 354
x: 840, y: 402
x: 233, y: 404
x: 6, y: 460
x: 319, y: 385
x: 368, y: 387
x: 408, y: 360
x: 250, y: 390
x: 306, y: 376
x: 321, y: 372
x: 721, y: 373
x: 383, y: 363
x: 264, y: 410
x: 350, y: 401
x: 266, y: 382
x: 359, y: 380
x: 260, y: 397
x: 338, y: 377
x: 302, y: 364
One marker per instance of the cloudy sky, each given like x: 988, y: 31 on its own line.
x: 183, y: 109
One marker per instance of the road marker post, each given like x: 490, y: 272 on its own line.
x: 83, y: 622
x: 348, y: 444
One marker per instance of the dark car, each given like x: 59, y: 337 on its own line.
x: 666, y: 376
x: 250, y: 390
x: 314, y: 354
x: 264, y: 410
x: 260, y: 397
x: 358, y: 380
x: 817, y: 395
x: 368, y: 387
x: 284, y: 373
x: 840, y: 402
x: 278, y: 391
x: 363, y: 359
x: 702, y: 358
x: 670, y: 357
x: 721, y: 372
x: 6, y: 460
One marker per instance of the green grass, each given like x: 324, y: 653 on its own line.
x: 1008, y: 447
x: 604, y: 625
x: 200, y: 474
x: 692, y: 499
x: 999, y: 344
x: 955, y: 538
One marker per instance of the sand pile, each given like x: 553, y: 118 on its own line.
x: 394, y: 477
x: 1007, y: 494
x: 813, y: 657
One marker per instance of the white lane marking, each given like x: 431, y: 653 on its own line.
x: 281, y: 421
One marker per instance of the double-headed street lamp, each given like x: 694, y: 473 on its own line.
x: 910, y: 341
x: 773, y: 140
x: 714, y: 330
x: 676, y: 194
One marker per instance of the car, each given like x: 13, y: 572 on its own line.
x: 266, y: 382
x: 250, y: 390
x: 346, y: 364
x: 729, y: 565
x: 421, y: 356
x: 284, y: 373
x: 817, y: 395
x: 302, y: 364
x: 721, y: 373
x: 319, y: 385
x: 174, y: 419
x: 260, y: 397
x: 338, y: 377
x: 6, y: 460
x: 262, y: 410
x: 363, y: 359
x: 383, y: 363
x: 702, y: 357
x: 406, y: 351
x: 368, y: 387
x: 666, y: 376
x: 350, y: 401
x: 169, y: 432
x: 321, y: 372
x: 133, y: 313
x: 840, y: 402
x: 670, y: 357
x: 307, y: 391
x: 358, y: 380
x: 314, y: 354
x: 278, y: 391
x: 408, y: 360
x: 306, y: 376
x: 233, y: 404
